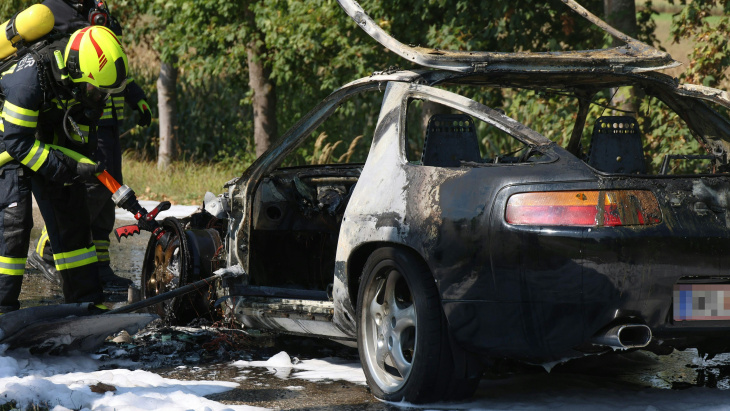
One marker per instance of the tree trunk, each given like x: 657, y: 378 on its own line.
x: 167, y: 107
x: 264, y: 98
x: 429, y: 109
x: 621, y: 14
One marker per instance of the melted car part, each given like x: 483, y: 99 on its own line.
x: 291, y: 316
x: 12, y: 322
x: 635, y: 56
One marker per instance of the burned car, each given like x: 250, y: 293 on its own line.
x: 464, y: 235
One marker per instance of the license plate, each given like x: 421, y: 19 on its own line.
x: 698, y: 302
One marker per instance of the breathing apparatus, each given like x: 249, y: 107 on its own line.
x: 92, y: 66
x: 24, y: 28
x: 99, y: 15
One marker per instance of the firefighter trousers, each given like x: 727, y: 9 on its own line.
x: 102, y: 210
x: 16, y: 221
x: 65, y: 213
x: 101, y: 207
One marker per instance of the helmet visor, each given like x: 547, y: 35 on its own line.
x: 95, y: 94
x: 115, y: 90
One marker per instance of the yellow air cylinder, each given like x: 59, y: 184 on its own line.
x: 31, y: 24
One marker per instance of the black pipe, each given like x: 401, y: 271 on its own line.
x: 170, y: 294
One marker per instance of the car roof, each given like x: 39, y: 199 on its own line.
x: 635, y: 56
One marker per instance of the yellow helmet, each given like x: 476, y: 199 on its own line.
x: 94, y: 55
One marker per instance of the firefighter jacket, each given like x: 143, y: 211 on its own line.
x: 33, y: 116
x: 114, y: 110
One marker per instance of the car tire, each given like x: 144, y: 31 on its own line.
x: 403, y: 338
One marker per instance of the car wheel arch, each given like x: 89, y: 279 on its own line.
x: 359, y: 256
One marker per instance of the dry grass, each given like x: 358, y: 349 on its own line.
x: 181, y: 183
x: 679, y: 51
x: 663, y: 6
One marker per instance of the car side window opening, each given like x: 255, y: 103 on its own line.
x: 298, y: 208
x: 651, y: 139
x: 441, y: 136
x: 343, y: 138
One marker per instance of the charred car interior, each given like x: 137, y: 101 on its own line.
x: 447, y: 228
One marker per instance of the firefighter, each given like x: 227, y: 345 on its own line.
x: 54, y: 96
x: 69, y: 16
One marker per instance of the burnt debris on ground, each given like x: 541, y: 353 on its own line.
x: 202, y: 342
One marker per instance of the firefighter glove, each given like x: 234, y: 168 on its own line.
x: 88, y: 171
x: 145, y: 114
x: 63, y: 170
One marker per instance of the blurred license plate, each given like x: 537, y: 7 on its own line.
x: 695, y: 302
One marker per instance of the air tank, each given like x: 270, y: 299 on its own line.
x: 31, y: 24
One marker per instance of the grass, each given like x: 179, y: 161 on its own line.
x: 182, y: 183
x: 663, y: 6
x: 679, y: 51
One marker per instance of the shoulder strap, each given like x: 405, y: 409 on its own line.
x: 11, y: 32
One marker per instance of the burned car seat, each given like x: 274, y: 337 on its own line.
x: 450, y: 139
x: 616, y: 146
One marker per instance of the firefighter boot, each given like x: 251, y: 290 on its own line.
x: 42, y: 259
x: 111, y: 281
x: 46, y: 267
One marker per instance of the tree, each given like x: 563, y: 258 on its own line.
x: 263, y: 88
x: 166, y: 101
x: 213, y: 39
x: 9, y: 7
x: 287, y: 55
x: 621, y: 14
x: 711, y: 55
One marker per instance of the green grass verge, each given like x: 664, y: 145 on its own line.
x: 667, y: 17
x: 664, y: 6
x: 182, y: 183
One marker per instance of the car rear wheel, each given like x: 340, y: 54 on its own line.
x: 402, y: 333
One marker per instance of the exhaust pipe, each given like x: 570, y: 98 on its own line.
x: 624, y: 336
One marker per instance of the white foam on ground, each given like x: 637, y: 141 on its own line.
x: 311, y: 370
x: 61, y: 383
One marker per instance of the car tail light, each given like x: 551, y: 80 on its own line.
x: 584, y: 208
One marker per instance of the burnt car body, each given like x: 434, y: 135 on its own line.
x: 434, y: 263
